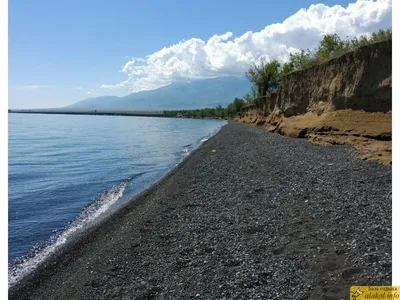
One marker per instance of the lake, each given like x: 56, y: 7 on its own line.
x: 65, y: 171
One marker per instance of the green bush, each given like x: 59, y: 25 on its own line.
x: 300, y: 60
x: 287, y: 68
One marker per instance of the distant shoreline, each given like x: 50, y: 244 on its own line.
x: 161, y: 114
x: 89, y: 112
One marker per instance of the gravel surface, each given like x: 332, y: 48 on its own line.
x: 264, y: 217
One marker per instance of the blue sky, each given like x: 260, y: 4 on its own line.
x: 61, y: 52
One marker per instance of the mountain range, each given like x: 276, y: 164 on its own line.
x: 183, y: 95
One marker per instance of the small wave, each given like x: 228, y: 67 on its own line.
x: 185, y: 150
x: 26, y: 264
x: 207, y: 137
x: 130, y: 178
x: 214, y: 132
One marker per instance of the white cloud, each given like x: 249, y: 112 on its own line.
x: 79, y: 88
x: 227, y: 55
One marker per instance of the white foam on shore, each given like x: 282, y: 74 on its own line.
x: 23, y: 266
x: 207, y: 137
x: 185, y: 150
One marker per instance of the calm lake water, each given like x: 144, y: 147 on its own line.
x: 65, y: 171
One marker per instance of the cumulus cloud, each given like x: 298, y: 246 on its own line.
x: 225, y: 54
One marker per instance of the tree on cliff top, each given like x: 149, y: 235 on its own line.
x: 330, y: 44
x: 264, y: 76
x: 287, y: 68
x: 235, y: 106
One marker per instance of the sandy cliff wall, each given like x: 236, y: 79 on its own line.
x: 347, y: 100
x: 358, y: 80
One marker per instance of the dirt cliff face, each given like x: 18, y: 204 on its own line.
x: 347, y: 100
x: 358, y: 80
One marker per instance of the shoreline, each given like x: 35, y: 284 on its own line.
x: 126, y: 113
x: 235, y: 211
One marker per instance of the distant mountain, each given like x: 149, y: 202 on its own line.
x: 187, y: 95
x: 95, y: 102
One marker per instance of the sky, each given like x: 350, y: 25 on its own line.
x: 61, y: 52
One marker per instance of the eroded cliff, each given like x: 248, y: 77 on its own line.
x: 358, y: 80
x: 347, y: 100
